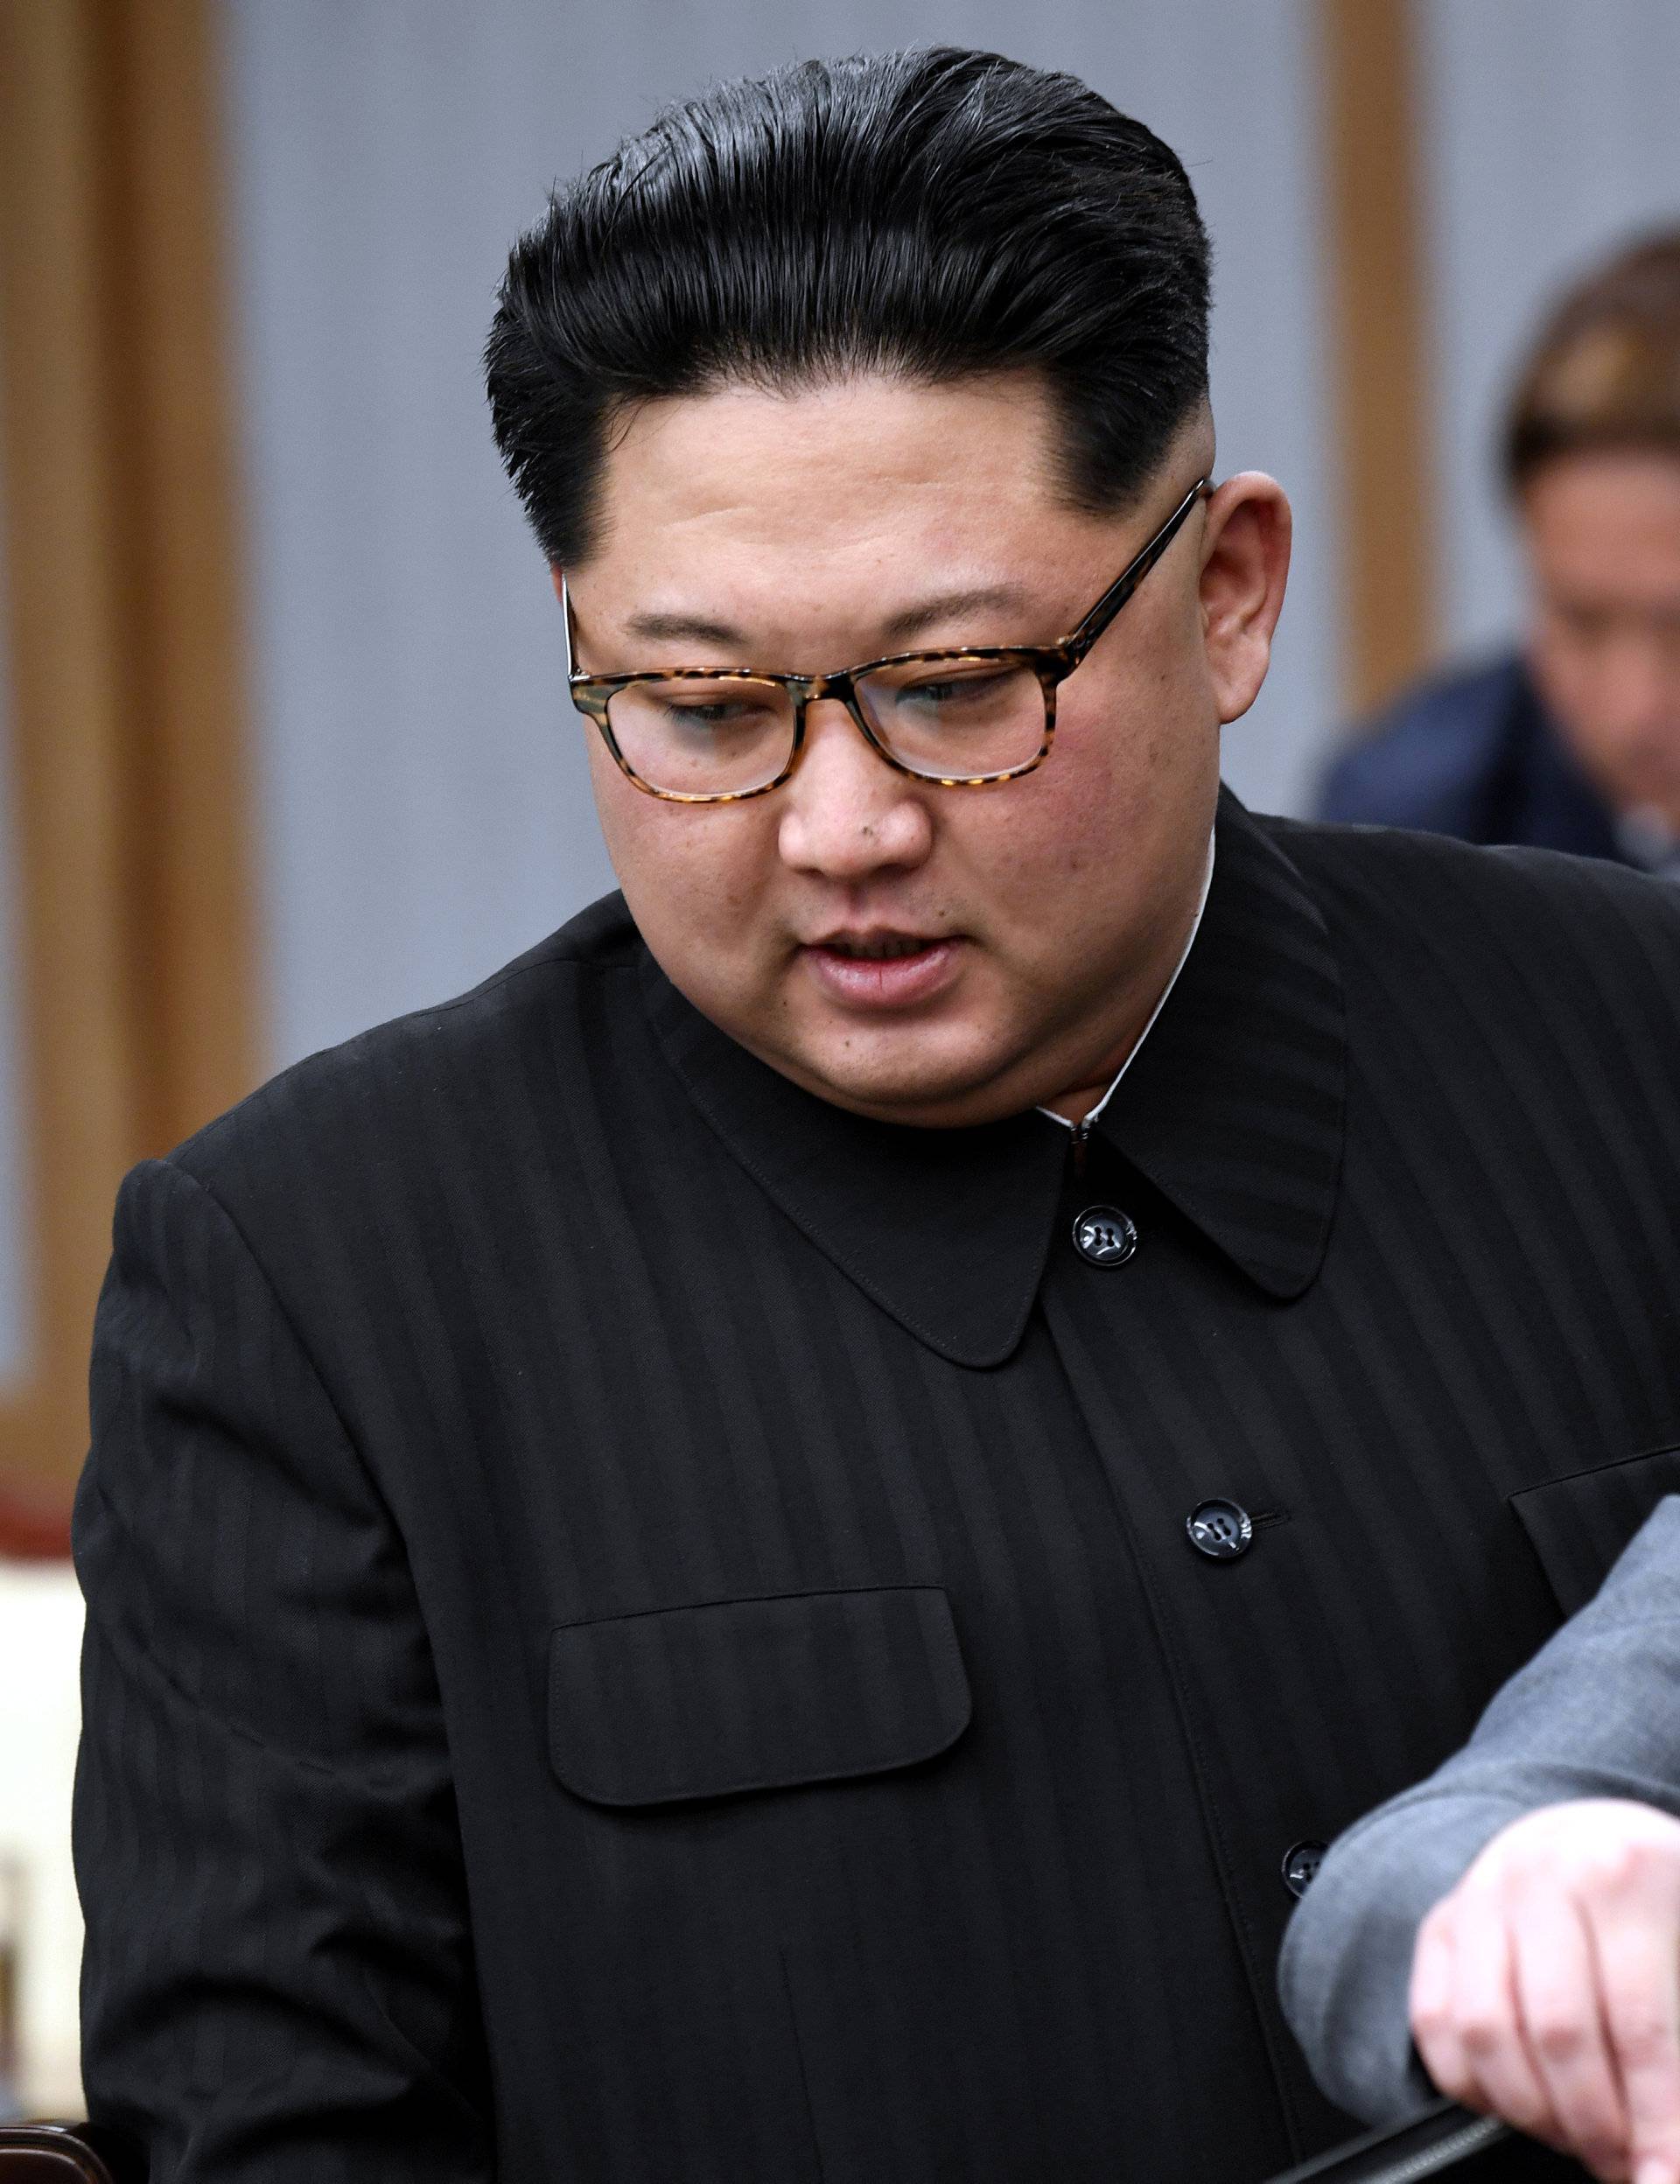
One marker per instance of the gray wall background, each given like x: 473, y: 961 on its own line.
x: 1554, y: 132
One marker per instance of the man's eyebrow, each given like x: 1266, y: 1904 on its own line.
x: 899, y: 629
x: 666, y: 628
x: 949, y: 607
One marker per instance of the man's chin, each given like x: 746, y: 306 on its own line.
x: 922, y: 1082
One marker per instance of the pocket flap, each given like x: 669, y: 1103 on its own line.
x: 763, y: 1694
x: 1579, y: 1525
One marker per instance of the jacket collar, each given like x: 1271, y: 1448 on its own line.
x: 1234, y: 1107
x: 1233, y: 1110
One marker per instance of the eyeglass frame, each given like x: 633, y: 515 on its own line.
x: 591, y: 694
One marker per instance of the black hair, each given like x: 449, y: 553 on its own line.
x: 935, y: 214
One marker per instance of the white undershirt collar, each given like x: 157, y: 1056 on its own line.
x: 1086, y: 1121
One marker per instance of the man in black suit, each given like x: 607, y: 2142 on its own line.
x: 767, y: 1548
x: 1572, y: 742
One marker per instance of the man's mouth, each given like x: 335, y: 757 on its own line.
x: 884, y: 970
x: 876, y: 948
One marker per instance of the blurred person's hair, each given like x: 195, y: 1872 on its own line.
x: 1605, y: 373
x: 936, y: 214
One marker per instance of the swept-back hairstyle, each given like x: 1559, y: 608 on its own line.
x: 935, y: 214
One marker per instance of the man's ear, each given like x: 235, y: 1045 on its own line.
x: 1244, y: 568
x: 556, y: 577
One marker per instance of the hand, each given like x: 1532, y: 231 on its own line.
x: 1546, y: 1988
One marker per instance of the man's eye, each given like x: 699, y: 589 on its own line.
x: 953, y: 691
x: 716, y: 713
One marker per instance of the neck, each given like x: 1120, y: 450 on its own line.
x: 1075, y: 1105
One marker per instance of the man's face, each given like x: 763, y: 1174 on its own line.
x: 1020, y: 932
x: 1603, y: 537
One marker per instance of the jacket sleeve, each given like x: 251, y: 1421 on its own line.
x: 1596, y: 1713
x: 277, y: 1983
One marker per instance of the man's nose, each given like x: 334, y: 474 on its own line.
x: 847, y: 813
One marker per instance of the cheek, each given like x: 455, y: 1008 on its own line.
x: 691, y: 876
x: 1131, y: 777
x: 1122, y: 764
x: 1568, y: 676
x: 1036, y: 855
x: 1137, y: 719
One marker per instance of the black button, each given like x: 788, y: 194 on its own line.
x: 1219, y: 1529
x: 1105, y: 1236
x: 1301, y: 1864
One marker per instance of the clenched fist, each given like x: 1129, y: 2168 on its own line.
x: 1546, y: 1988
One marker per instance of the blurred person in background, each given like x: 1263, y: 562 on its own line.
x: 1571, y: 742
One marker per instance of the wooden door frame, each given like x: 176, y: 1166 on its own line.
x: 120, y: 564
x: 1379, y: 329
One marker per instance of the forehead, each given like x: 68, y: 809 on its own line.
x: 864, y: 469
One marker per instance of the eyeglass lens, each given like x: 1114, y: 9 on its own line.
x: 704, y: 735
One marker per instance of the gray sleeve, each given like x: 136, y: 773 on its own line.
x: 1596, y: 1713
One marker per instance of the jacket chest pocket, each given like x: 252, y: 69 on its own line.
x: 1578, y: 1526
x: 727, y: 1697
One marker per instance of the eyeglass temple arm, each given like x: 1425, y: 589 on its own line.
x: 571, y: 653
x: 1075, y: 647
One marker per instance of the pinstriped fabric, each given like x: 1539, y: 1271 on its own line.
x: 632, y: 1720
x: 322, y: 1737
x: 1577, y: 1536
x: 599, y: 1562
x: 1248, y: 1152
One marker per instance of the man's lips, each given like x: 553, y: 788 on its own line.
x: 881, y: 970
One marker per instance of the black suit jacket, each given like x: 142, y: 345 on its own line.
x: 644, y: 1627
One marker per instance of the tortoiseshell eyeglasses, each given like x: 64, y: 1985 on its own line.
x: 963, y: 718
